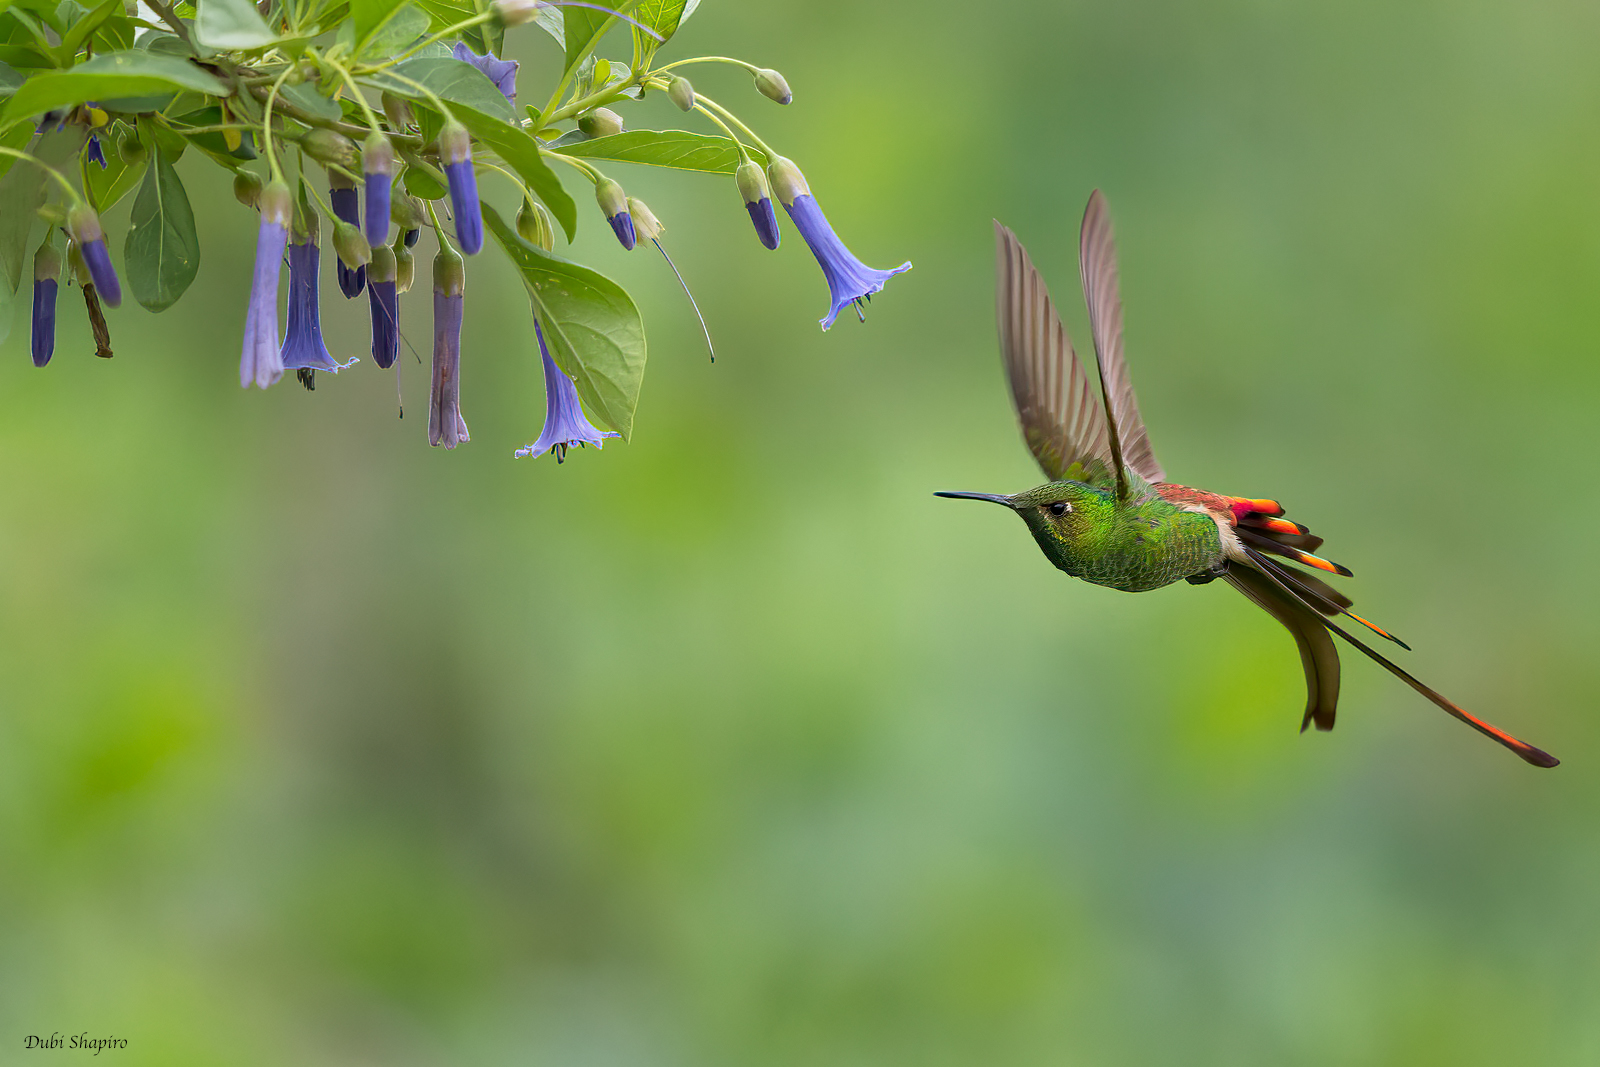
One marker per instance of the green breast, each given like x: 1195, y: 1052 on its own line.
x: 1141, y: 548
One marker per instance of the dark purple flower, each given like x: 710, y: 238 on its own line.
x: 95, y: 153
x: 455, y: 152
x: 377, y: 171
x: 384, y: 299
x: 614, y: 205
x: 346, y: 203
x: 84, y: 226
x: 303, y: 347
x: 46, y: 283
x: 757, y: 195
x: 564, y: 422
x: 261, y: 363
x: 445, y: 424
x: 849, y: 280
x: 503, y: 72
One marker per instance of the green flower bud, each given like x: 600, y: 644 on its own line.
x: 247, y: 187
x: 600, y: 122
x: 381, y: 268
x: 645, y: 223
x: 772, y: 86
x: 534, y: 225
x: 307, y: 226
x: 350, y: 245
x: 131, y: 149
x: 680, y: 92
x: 405, y: 267
x: 377, y: 155
x: 406, y: 212
x: 46, y: 263
x: 609, y: 195
x: 787, y: 181
x: 398, y: 111
x: 276, y: 204
x: 449, y: 272
x: 329, y: 147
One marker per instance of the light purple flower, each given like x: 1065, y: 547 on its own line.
x: 564, y: 421
x: 455, y: 152
x: 261, y: 363
x: 850, y: 281
x: 303, y: 347
x: 503, y: 72
x: 445, y: 424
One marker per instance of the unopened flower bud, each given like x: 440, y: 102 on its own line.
x: 84, y: 226
x: 645, y: 223
x: 46, y: 284
x: 247, y: 187
x: 614, y: 203
x: 772, y: 86
x: 381, y: 267
x: 329, y: 147
x: 534, y: 225
x: 680, y: 92
x: 398, y: 111
x: 787, y: 181
x: 515, y: 12
x: 455, y: 152
x: 600, y: 122
x: 406, y: 211
x: 752, y: 182
x: 131, y: 149
x: 405, y: 268
x: 350, y: 245
x: 377, y: 170
x: 46, y: 263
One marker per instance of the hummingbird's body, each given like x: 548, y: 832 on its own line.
x: 1109, y: 516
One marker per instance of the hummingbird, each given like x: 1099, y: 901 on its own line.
x: 1109, y: 516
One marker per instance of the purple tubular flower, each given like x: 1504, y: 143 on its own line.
x: 384, y: 299
x: 445, y: 424
x: 850, y: 281
x: 564, y: 421
x: 455, y: 152
x: 377, y: 171
x: 261, y: 364
x: 757, y: 196
x: 622, y: 226
x: 346, y: 204
x: 95, y: 153
x: 44, y: 320
x: 765, y: 220
x: 84, y: 226
x: 503, y: 72
x: 303, y: 346
x: 614, y: 206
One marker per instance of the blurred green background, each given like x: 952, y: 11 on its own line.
x: 733, y: 745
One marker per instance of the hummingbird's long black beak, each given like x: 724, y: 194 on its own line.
x: 992, y: 497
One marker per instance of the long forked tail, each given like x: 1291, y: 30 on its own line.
x: 1320, y: 657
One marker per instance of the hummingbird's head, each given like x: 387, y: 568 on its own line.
x: 1060, y: 515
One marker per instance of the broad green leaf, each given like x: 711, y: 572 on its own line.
x: 421, y: 183
x: 582, y: 28
x: 678, y: 149
x: 231, y: 25
x: 368, y: 16
x: 307, y: 99
x: 522, y: 152
x: 663, y: 16
x: 16, y: 137
x: 116, y: 34
x: 548, y: 18
x: 23, y: 191
x: 23, y: 57
x: 162, y: 252
x: 108, y: 186
x: 10, y: 80
x: 115, y: 74
x: 88, y: 24
x: 443, y: 14
x: 404, y: 25
x: 593, y: 329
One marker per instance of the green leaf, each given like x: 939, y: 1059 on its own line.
x: 10, y: 80
x: 88, y: 24
x: 404, y: 25
x: 115, y: 34
x: 162, y: 252
x: 488, y: 115
x: 231, y: 25
x: 678, y: 149
x: 16, y: 137
x: 420, y: 183
x: 108, y: 186
x: 307, y: 99
x: 593, y: 329
x: 116, y: 74
x: 663, y: 16
x: 367, y: 16
x: 582, y: 28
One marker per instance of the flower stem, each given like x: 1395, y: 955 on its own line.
x: 731, y: 117
x: 584, y: 168
x: 438, y: 230
x: 366, y: 108
x: 751, y: 67
x: 266, y: 125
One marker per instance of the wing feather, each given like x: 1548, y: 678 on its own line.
x: 1097, y: 262
x: 1060, y: 415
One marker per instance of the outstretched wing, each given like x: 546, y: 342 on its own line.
x: 1128, y: 441
x: 1061, y: 419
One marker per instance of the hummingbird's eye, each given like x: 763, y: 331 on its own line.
x: 1060, y: 507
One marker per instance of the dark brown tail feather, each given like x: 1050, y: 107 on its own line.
x: 1318, y: 655
x: 1285, y: 602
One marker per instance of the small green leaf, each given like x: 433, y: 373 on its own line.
x: 678, y: 149
x: 404, y: 25
x: 116, y: 34
x: 592, y: 326
x: 583, y: 27
x: 16, y: 137
x: 663, y: 16
x: 112, y: 75
x: 231, y: 25
x: 10, y: 80
x: 307, y: 99
x: 420, y: 183
x: 108, y: 186
x: 88, y: 24
x: 162, y: 252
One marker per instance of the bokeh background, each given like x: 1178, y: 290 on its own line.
x: 733, y: 745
